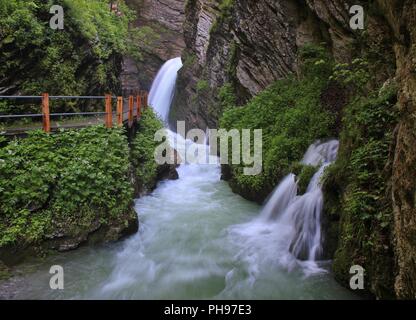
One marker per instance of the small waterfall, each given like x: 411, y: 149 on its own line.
x: 162, y: 91
x: 300, y: 216
x: 280, y: 198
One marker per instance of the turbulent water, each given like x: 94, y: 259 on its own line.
x: 293, y: 221
x: 197, y: 240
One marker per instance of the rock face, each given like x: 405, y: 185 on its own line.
x: 401, y: 17
x: 165, y: 19
x: 250, y: 44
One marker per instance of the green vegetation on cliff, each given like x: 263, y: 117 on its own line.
x: 82, y: 59
x: 357, y: 191
x: 143, y: 149
x: 291, y: 116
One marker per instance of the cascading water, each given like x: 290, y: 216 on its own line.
x: 290, y: 222
x: 162, y: 91
x: 192, y: 243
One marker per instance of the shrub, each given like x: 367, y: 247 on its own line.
x: 143, y: 149
x: 69, y: 179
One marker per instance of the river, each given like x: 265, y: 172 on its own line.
x: 197, y: 240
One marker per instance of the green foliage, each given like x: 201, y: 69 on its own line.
x: 304, y: 174
x: 355, y: 75
x: 143, y: 150
x: 202, y: 86
x: 357, y: 190
x: 225, y: 7
x: 291, y: 116
x: 315, y: 61
x: 71, y: 179
x: 82, y: 59
x: 189, y: 60
x: 227, y: 97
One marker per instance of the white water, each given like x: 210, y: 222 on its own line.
x: 162, y: 91
x: 289, y: 226
x: 197, y: 240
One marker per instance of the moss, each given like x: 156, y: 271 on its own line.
x: 225, y: 7
x: 357, y: 192
x: 84, y: 58
x: 202, y: 86
x: 304, y: 174
x: 4, y: 271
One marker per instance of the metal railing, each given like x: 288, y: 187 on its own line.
x: 133, y: 110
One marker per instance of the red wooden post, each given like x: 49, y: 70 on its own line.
x: 108, y: 111
x: 120, y: 111
x: 139, y: 105
x: 131, y: 104
x: 45, y: 112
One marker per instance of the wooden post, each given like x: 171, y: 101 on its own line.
x: 108, y: 112
x: 45, y: 112
x: 131, y: 104
x: 138, y: 106
x: 120, y: 111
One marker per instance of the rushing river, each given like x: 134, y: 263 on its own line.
x: 198, y: 240
x: 192, y: 244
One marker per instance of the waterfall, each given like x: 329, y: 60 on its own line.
x: 288, y: 230
x: 183, y: 249
x: 163, y: 88
x: 302, y: 214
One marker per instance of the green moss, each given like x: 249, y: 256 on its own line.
x: 357, y: 191
x: 189, y: 60
x: 225, y: 7
x: 202, y: 86
x: 304, y: 174
x: 4, y: 271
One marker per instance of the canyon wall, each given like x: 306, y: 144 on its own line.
x: 249, y: 44
x: 401, y: 17
x: 245, y: 46
x: 164, y: 21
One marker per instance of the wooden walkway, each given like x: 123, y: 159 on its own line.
x: 127, y: 111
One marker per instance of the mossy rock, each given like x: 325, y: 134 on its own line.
x: 4, y: 272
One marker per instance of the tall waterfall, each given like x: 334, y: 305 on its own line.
x: 162, y: 91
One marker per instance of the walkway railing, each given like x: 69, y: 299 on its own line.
x: 125, y: 112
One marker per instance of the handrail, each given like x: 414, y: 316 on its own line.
x: 133, y: 110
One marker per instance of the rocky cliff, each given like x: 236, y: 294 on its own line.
x: 248, y: 45
x: 401, y: 18
x: 163, y: 19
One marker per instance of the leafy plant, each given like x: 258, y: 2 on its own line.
x: 355, y: 75
x: 143, y: 149
x: 68, y: 179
